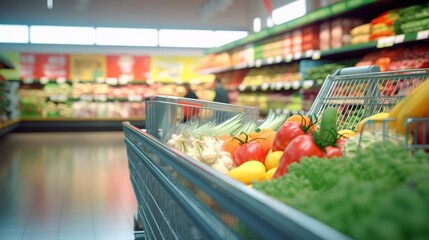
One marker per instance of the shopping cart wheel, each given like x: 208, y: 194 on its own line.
x: 138, y: 229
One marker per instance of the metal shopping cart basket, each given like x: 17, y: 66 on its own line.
x: 360, y: 92
x: 180, y: 198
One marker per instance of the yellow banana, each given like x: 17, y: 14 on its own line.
x: 414, y: 105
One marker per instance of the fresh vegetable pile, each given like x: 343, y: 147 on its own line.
x: 381, y: 194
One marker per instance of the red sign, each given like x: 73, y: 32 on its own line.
x: 128, y: 67
x: 51, y: 66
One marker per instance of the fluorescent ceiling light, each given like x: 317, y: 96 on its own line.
x: 224, y: 37
x: 62, y: 35
x: 289, y: 11
x: 257, y: 24
x: 13, y: 33
x: 186, y: 38
x: 126, y: 37
x: 270, y: 22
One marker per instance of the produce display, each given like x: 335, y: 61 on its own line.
x: 95, y: 100
x: 9, y: 102
x: 358, y: 182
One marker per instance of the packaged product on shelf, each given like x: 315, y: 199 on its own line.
x: 310, y: 37
x: 412, y: 19
x: 273, y: 47
x: 361, y: 34
x: 382, y: 26
x: 32, y: 102
x: 297, y: 41
x: 325, y: 36
x: 287, y: 44
x: 340, y: 31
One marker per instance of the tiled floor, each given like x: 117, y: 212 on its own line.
x: 65, y: 186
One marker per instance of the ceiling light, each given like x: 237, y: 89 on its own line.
x: 126, y: 37
x: 186, y: 38
x: 13, y: 33
x: 62, y: 35
x: 289, y: 11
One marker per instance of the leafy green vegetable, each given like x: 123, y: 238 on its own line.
x: 382, y: 193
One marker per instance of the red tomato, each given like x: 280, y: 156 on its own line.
x: 249, y: 151
x: 332, y: 151
x: 285, y: 134
x: 301, y: 146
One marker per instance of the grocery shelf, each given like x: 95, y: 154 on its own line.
x: 318, y: 54
x: 280, y: 86
x: 8, y: 126
x: 314, y: 16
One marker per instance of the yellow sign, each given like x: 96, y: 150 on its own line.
x: 87, y: 67
x: 175, y: 69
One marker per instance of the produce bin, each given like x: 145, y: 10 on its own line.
x: 180, y: 198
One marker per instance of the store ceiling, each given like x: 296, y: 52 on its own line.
x: 188, y: 14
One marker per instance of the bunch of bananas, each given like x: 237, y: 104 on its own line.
x: 415, y: 105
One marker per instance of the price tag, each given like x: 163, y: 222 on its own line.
x: 138, y: 98
x: 278, y: 59
x: 254, y: 87
x: 279, y: 85
x: 62, y: 98
x: 100, y: 80
x: 422, y: 35
x: 399, y: 38
x: 61, y: 80
x: 102, y: 98
x: 123, y: 81
x: 386, y: 42
x: 297, y: 55
x: 241, y: 87
x: 258, y: 62
x: 53, y: 98
x: 273, y: 86
x: 265, y: 86
x: 289, y: 57
x: 44, y: 80
x: 270, y: 60
x: 278, y: 111
x: 309, y: 53
x: 307, y: 84
x: 295, y: 85
x: 28, y: 80
x: 287, y: 85
x: 316, y: 55
x: 251, y: 64
x: 112, y: 81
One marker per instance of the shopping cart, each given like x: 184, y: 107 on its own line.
x: 180, y: 198
x: 360, y: 92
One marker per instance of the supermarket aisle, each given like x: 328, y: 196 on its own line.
x: 65, y: 186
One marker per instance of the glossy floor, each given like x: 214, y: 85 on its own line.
x: 65, y: 186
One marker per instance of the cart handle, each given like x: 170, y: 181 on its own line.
x: 357, y: 70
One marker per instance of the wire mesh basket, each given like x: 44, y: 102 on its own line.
x: 361, y: 92
x: 179, y: 198
x: 164, y: 114
x: 417, y: 129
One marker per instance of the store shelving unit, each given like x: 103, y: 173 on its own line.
x: 254, y: 46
